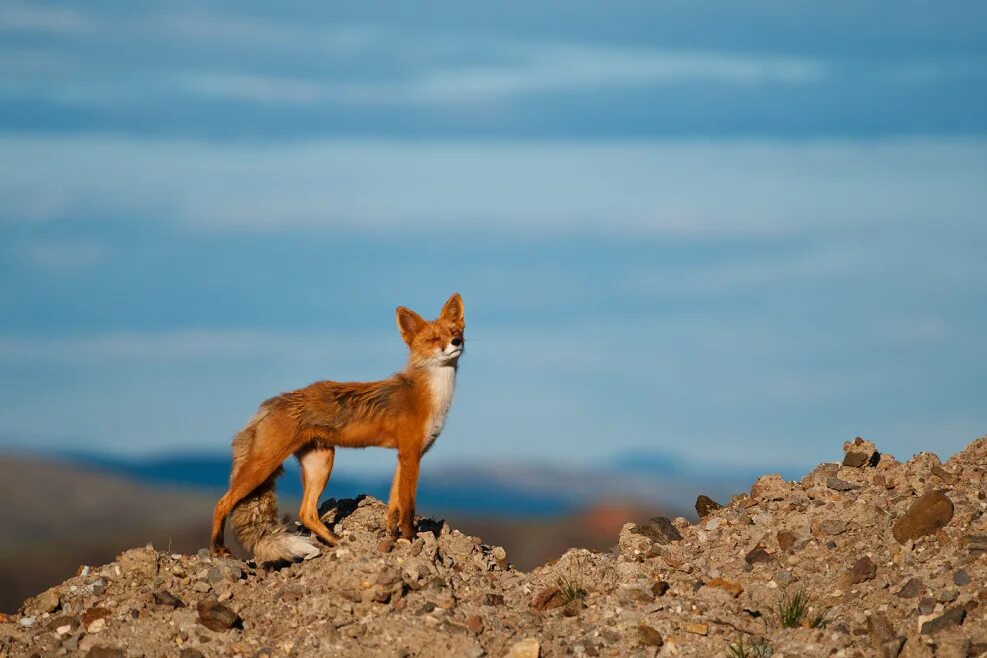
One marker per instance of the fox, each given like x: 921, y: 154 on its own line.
x: 407, y: 412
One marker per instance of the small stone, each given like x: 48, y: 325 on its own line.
x: 92, y: 615
x: 977, y: 544
x: 385, y: 545
x: 926, y: 605
x: 526, y: 648
x: 388, y: 576
x: 784, y: 577
x: 705, y: 505
x: 758, y: 556
x: 217, y: 617
x: 96, y: 626
x: 649, y: 636
x: 863, y: 569
x: 697, y: 629
x: 786, y: 539
x: 948, y: 596
x: 201, y: 586
x: 47, y: 601
x: 950, y: 618
x: 475, y: 624
x: 929, y: 512
x: 166, y: 598
x: 573, y: 607
x: 831, y: 527
x: 659, y: 530
x: 548, y: 598
x: 961, y: 577
x: 493, y: 599
x: 911, y: 589
x: 734, y: 588
x: 189, y: 652
x: 659, y: 587
x: 837, y: 484
x: 27, y: 621
x: 891, y: 648
x: 880, y: 629
x: 943, y: 474
x: 106, y: 652
x: 860, y: 453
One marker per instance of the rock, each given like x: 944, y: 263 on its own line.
x: 926, y: 605
x: 217, y: 617
x: 93, y: 615
x: 47, y: 601
x: 166, y: 598
x: 659, y: 587
x: 977, y: 544
x: 705, y: 505
x: 961, y: 577
x: 735, y: 589
x: 527, y: 648
x: 191, y: 653
x: 758, y: 555
x: 548, y: 598
x: 649, y: 636
x: 830, y: 527
x: 891, y: 648
x: 929, y: 512
x: 950, y: 618
x: 837, y: 484
x: 659, y: 530
x: 879, y: 628
x: 474, y: 623
x: 770, y: 487
x: 786, y: 539
x: 911, y: 589
x: 863, y: 569
x: 106, y: 652
x: 860, y: 453
x: 697, y: 629
x: 493, y: 599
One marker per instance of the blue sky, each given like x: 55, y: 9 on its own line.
x: 741, y: 233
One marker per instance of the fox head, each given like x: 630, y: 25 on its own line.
x: 436, y: 343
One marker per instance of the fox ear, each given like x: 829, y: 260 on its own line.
x: 409, y: 323
x: 453, y: 310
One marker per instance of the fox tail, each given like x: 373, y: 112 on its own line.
x: 255, y: 518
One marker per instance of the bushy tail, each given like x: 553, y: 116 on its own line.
x: 255, y: 518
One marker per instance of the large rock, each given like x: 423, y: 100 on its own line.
x: 929, y: 512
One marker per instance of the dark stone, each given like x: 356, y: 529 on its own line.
x: 977, y: 544
x: 837, y: 484
x: 911, y: 589
x: 758, y: 556
x: 880, y: 628
x: 950, y: 618
x: 659, y: 530
x: 926, y: 605
x: 659, y: 587
x: 961, y: 577
x: 191, y: 653
x: 649, y: 636
x: 786, y: 539
x: 863, y: 569
x: 929, y: 513
x: 217, y: 617
x: 106, y: 652
x: 164, y: 597
x: 705, y: 505
x: 94, y: 614
x: 493, y: 599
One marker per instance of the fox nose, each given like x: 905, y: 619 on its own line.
x: 456, y: 342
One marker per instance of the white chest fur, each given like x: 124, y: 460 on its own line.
x: 441, y: 384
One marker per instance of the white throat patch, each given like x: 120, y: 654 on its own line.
x: 441, y: 384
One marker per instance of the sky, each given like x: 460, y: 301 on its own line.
x: 737, y: 233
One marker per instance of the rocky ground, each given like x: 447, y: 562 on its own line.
x: 868, y: 557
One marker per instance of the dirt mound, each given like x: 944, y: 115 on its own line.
x: 868, y: 557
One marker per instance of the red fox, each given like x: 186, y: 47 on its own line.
x: 405, y: 411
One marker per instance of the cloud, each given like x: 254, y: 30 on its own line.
x: 697, y: 189
x: 32, y: 18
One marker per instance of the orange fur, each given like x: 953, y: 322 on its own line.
x: 404, y: 411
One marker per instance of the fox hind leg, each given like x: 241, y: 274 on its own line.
x: 316, y: 468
